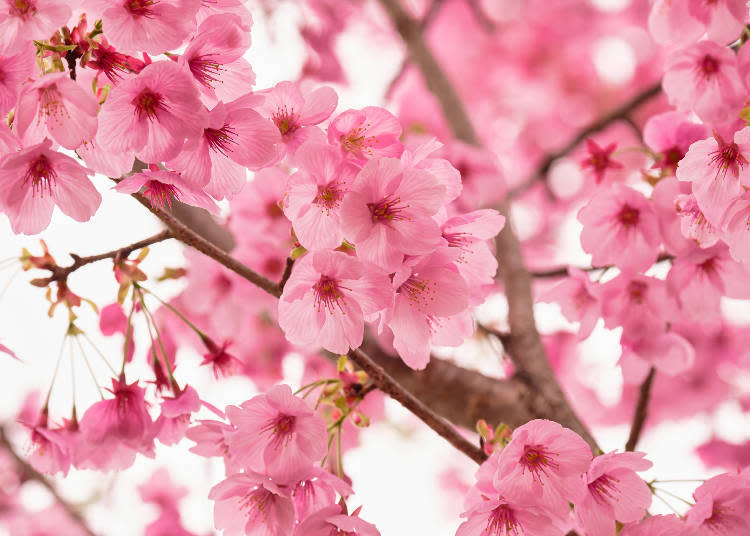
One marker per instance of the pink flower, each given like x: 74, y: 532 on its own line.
x: 543, y: 464
x: 422, y: 156
x: 718, y: 171
x: 222, y: 362
x: 144, y: 25
x: 163, y: 186
x: 22, y: 21
x: 250, y: 504
x: 599, y: 159
x: 317, y: 489
x: 105, y: 59
x: 332, y: 521
x: 388, y: 212
x: 294, y: 114
x: 214, y: 57
x: 236, y: 137
x: 57, y: 106
x: 153, y: 113
x: 469, y: 234
x: 326, y: 299
x: 640, y: 304
x: 620, y: 228
x: 723, y: 19
x: 503, y: 517
x: 703, y: 78
x: 315, y: 193
x: 428, y: 291
x: 693, y: 224
x: 277, y: 433
x: 721, y: 506
x: 211, y: 441
x: 372, y: 132
x: 578, y: 299
x: 699, y: 278
x: 614, y: 492
x: 670, y: 134
x: 175, y: 415
x: 736, y: 224
x: 14, y: 70
x: 50, y: 448
x: 113, y: 431
x: 161, y: 490
x: 35, y: 179
x: 669, y: 525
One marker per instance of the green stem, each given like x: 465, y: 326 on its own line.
x: 175, y: 311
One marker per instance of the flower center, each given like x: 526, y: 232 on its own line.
x: 726, y: 157
x: 21, y: 8
x: 222, y: 139
x: 282, y: 429
x: 205, y: 70
x: 708, y: 66
x: 502, y: 522
x: 420, y: 292
x: 41, y: 175
x: 628, y: 216
x: 256, y: 503
x: 387, y: 209
x: 328, y: 294
x: 604, y: 489
x: 161, y: 194
x: 286, y: 120
x: 538, y: 460
x: 141, y: 8
x: 148, y: 103
x: 637, y: 291
x: 357, y: 141
x: 329, y: 196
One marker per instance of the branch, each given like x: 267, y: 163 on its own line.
x: 186, y: 235
x: 641, y: 411
x: 524, y: 344
x: 287, y: 273
x: 564, y: 270
x: 622, y: 112
x: 29, y: 473
x: 392, y: 388
x: 61, y: 273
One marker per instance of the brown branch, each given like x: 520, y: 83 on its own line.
x: 392, y: 388
x: 287, y: 273
x: 622, y: 112
x: 186, y: 235
x: 524, y: 344
x: 641, y: 411
x: 29, y: 473
x: 563, y: 271
x: 61, y: 273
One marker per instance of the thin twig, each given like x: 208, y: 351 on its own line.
x: 29, y: 473
x: 620, y: 113
x: 186, y: 235
x: 564, y: 271
x: 392, y: 388
x: 641, y: 411
x: 61, y: 273
x: 287, y: 272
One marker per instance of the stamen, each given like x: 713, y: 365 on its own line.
x: 221, y: 140
x: 41, y: 175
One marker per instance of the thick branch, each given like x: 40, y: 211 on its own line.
x: 622, y: 112
x: 524, y: 345
x: 29, y: 473
x: 641, y: 411
x: 392, y: 388
x: 62, y: 272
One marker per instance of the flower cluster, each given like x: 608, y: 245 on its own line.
x: 272, y: 448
